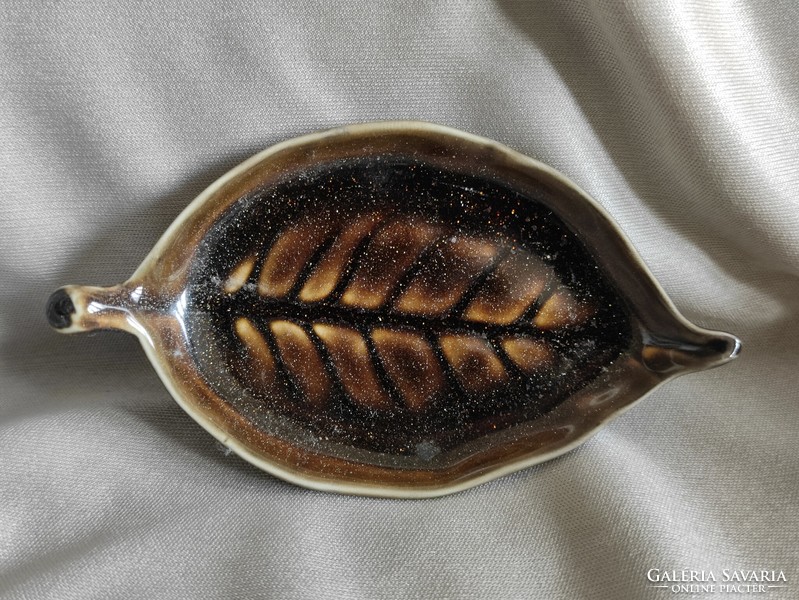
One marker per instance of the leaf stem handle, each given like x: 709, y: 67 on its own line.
x: 76, y: 308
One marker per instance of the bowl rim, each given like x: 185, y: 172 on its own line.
x: 579, y: 209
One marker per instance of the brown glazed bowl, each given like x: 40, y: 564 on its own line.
x: 397, y: 309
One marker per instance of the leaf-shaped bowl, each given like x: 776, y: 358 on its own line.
x: 397, y: 309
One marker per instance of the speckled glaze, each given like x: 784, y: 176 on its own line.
x: 397, y: 309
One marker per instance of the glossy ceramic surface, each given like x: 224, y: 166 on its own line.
x: 397, y: 309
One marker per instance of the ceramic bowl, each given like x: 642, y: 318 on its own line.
x: 397, y: 309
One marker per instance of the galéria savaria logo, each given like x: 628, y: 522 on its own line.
x: 726, y: 581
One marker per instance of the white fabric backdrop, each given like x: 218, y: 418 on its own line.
x: 681, y: 118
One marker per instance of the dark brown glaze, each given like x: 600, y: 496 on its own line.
x: 387, y: 256
x: 354, y: 365
x: 400, y: 306
x: 397, y: 309
x: 509, y: 290
x: 412, y: 365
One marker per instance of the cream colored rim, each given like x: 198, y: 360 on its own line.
x: 368, y: 489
